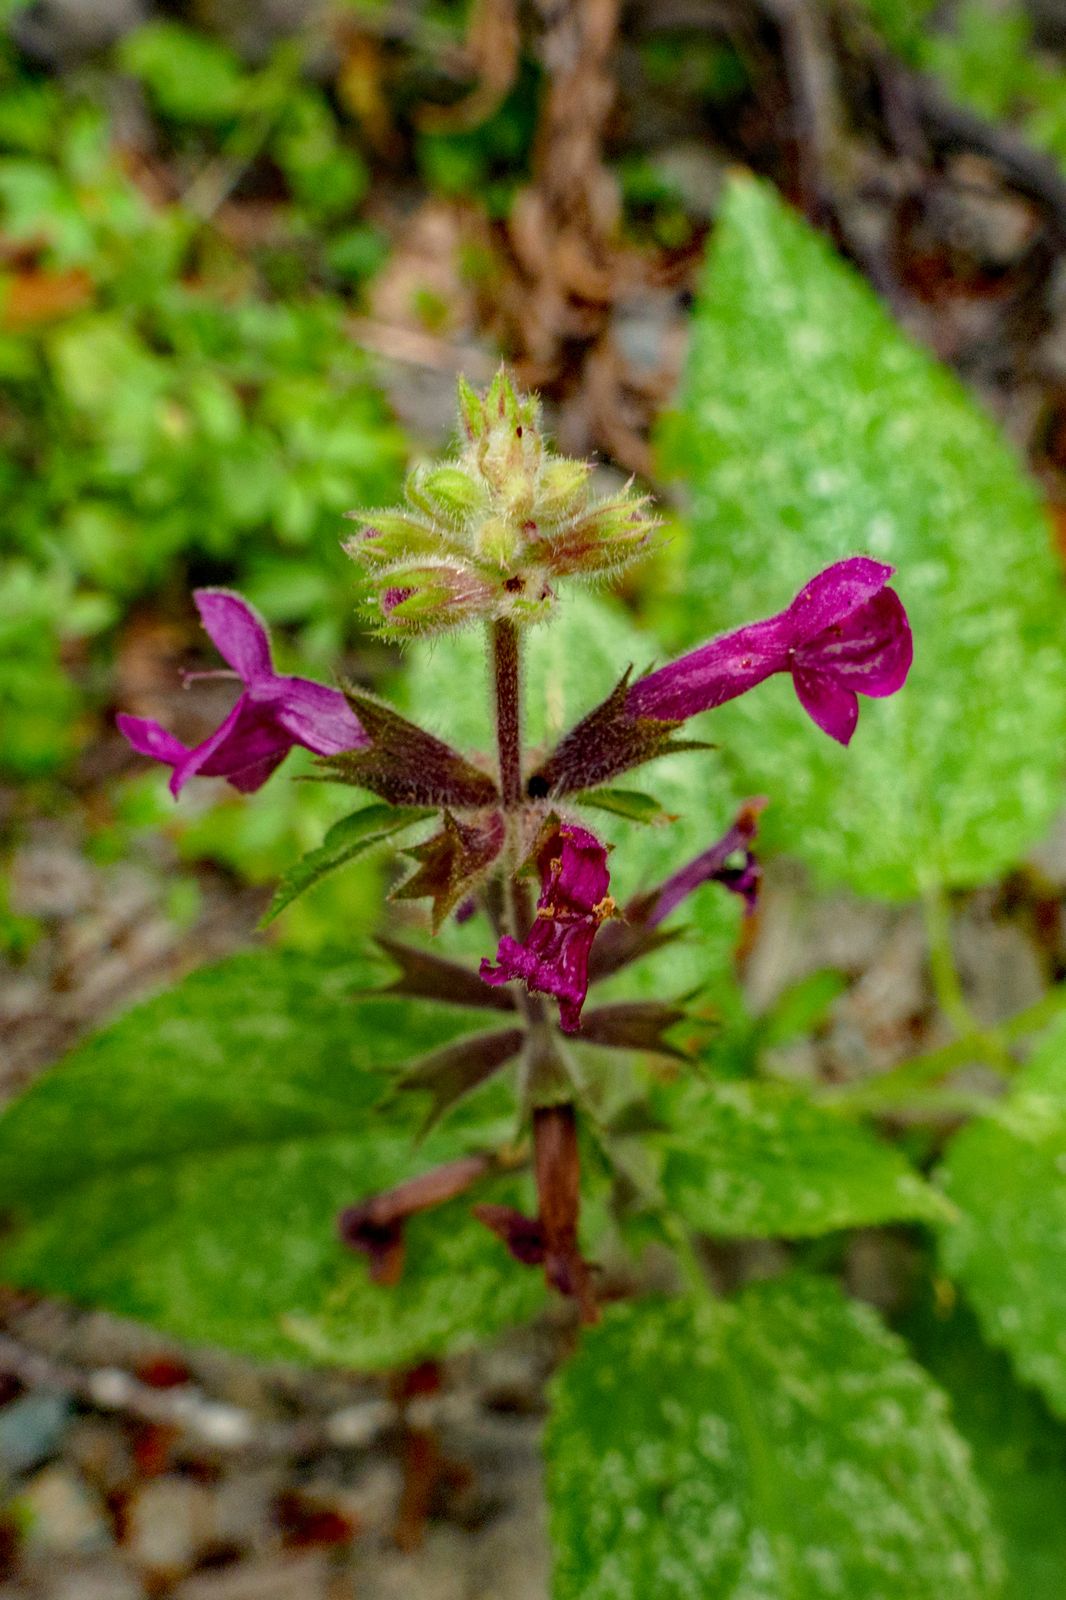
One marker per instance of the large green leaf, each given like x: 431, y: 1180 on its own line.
x: 186, y: 1166
x: 761, y: 1160
x: 1007, y: 1176
x: 780, y: 1448
x: 812, y: 429
x: 570, y: 666
x: 1019, y: 1450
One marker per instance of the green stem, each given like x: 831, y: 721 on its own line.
x: 680, y: 1238
x: 946, y: 981
x: 991, y: 1045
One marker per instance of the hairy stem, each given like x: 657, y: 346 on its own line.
x: 506, y: 671
x: 544, y: 1074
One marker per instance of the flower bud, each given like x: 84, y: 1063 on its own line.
x: 563, y: 489
x: 450, y: 490
x: 483, y: 536
x: 431, y: 598
x: 497, y: 542
x: 389, y: 536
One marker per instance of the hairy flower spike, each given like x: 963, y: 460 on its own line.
x: 484, y: 537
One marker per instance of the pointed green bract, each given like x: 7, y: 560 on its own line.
x: 761, y: 1160
x: 348, y: 838
x: 779, y: 1448
x: 813, y: 429
x: 186, y: 1167
x: 627, y: 803
x: 1006, y: 1174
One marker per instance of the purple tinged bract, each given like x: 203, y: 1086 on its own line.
x: 553, y: 958
x: 845, y: 634
x: 272, y: 715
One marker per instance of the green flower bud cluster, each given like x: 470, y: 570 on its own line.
x: 484, y: 536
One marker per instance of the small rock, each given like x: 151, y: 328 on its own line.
x: 999, y: 966
x: 369, y: 1501
x: 437, y: 1571
x: 101, y: 1453
x: 304, y: 1577
x: 65, y: 1517
x: 105, y: 1579
x: 31, y: 1430
x: 511, y: 1379
x: 511, y: 1559
x: 356, y: 1426
x: 50, y: 881
x: 645, y: 332
x: 979, y: 217
x: 171, y: 1521
x: 244, y: 1503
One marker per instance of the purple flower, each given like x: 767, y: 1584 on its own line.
x: 553, y: 958
x: 713, y: 865
x: 845, y: 634
x: 637, y: 931
x: 272, y: 715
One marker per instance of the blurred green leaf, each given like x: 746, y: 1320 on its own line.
x: 801, y: 1007
x: 186, y: 1166
x: 189, y: 76
x: 1006, y: 1173
x: 779, y: 1446
x: 761, y: 1160
x: 1019, y: 1451
x: 813, y: 429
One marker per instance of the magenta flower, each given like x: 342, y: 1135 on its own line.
x: 553, y: 958
x: 845, y: 634
x: 716, y: 865
x: 273, y: 714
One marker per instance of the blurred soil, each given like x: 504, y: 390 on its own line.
x: 140, y: 1469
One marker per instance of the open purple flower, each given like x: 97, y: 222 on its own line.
x: 272, y: 715
x: 553, y: 958
x: 845, y: 634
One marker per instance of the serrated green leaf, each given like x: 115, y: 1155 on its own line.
x: 1006, y: 1174
x: 812, y: 430
x: 627, y: 803
x: 762, y: 1160
x: 346, y: 839
x: 1019, y: 1450
x: 186, y: 1166
x: 779, y: 1448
